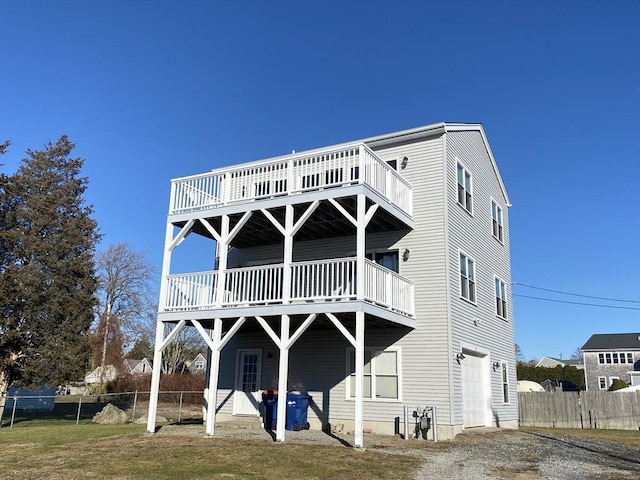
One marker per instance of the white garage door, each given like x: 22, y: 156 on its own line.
x: 474, y: 391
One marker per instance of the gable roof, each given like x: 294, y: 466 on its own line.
x: 613, y: 341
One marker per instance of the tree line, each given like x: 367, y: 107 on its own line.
x: 64, y: 307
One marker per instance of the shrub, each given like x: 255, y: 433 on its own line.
x: 617, y: 384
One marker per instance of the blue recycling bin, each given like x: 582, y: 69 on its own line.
x: 297, y: 405
x: 270, y: 403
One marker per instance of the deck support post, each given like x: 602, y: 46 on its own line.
x: 283, y: 373
x: 360, y: 246
x: 223, y: 250
x: 155, y: 378
x: 359, y: 364
x: 214, y: 369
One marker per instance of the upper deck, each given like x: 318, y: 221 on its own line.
x: 295, y: 174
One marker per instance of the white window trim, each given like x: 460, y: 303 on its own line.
x: 506, y: 303
x: 348, y: 374
x: 505, y: 383
x: 501, y: 223
x: 619, y: 355
x: 475, y: 277
x: 600, y: 387
x: 466, y: 169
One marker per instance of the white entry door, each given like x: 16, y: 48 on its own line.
x: 475, y: 391
x: 248, y: 373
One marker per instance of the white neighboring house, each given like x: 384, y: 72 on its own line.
x: 371, y: 275
x: 110, y: 373
x: 554, y: 362
x: 138, y: 367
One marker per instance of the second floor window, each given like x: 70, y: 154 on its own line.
x: 501, y: 298
x: 464, y: 188
x: 496, y: 213
x: 467, y: 278
x: 615, y: 358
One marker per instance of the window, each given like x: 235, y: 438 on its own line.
x: 467, y: 278
x: 496, y: 214
x: 387, y: 258
x: 381, y: 374
x: 198, y: 365
x: 464, y: 188
x: 615, y: 358
x: 602, y: 383
x: 501, y: 298
x: 505, y: 383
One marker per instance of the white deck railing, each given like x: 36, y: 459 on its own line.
x: 298, y: 173
x: 316, y: 281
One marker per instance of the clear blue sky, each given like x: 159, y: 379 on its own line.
x: 153, y: 90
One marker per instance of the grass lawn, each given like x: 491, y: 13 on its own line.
x: 63, y: 450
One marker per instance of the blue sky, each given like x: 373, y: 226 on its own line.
x: 153, y: 90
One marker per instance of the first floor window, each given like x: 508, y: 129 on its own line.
x: 505, y: 383
x: 602, y: 383
x: 467, y: 278
x: 501, y: 298
x: 381, y: 374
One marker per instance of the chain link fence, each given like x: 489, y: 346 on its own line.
x: 174, y: 406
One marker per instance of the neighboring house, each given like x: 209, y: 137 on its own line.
x: 608, y: 356
x: 555, y: 362
x: 371, y: 275
x: 110, y: 373
x: 138, y: 367
x: 198, y: 364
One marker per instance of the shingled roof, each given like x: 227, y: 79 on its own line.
x: 613, y: 341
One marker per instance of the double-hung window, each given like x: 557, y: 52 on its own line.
x: 602, y: 383
x: 505, y: 382
x: 464, y: 188
x: 501, y: 298
x: 467, y: 278
x: 496, y: 214
x: 381, y: 374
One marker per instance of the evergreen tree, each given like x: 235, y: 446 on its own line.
x: 47, y: 278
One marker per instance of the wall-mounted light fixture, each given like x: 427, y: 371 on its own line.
x: 460, y: 356
x: 476, y: 321
x: 496, y: 366
x: 404, y: 161
x: 269, y: 355
x: 405, y: 254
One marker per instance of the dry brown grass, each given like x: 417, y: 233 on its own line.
x: 126, y: 452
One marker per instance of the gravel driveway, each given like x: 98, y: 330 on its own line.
x: 478, y: 454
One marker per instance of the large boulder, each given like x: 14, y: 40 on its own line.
x: 110, y: 415
x: 143, y: 420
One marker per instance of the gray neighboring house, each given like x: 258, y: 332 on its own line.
x: 138, y: 367
x: 608, y: 356
x: 371, y: 275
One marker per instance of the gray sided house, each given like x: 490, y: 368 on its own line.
x: 371, y: 275
x: 608, y: 356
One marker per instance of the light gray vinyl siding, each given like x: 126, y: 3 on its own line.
x: 473, y: 235
x: 425, y: 350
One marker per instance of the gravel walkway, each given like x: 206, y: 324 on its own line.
x: 476, y: 455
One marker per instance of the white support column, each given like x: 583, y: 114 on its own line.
x: 223, y: 250
x: 360, y: 246
x: 214, y: 369
x: 359, y: 360
x: 166, y: 262
x: 288, y: 255
x: 283, y: 373
x: 155, y: 378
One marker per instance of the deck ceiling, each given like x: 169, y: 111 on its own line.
x: 325, y: 222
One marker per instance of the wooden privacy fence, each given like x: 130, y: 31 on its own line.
x: 604, y: 410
